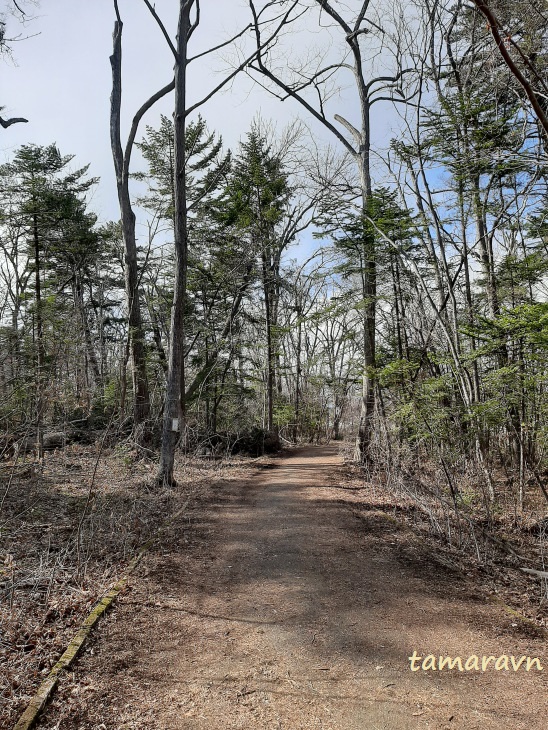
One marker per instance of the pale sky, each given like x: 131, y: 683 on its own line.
x: 60, y: 81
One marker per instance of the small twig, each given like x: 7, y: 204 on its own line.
x: 90, y: 493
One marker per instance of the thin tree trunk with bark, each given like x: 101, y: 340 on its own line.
x: 88, y: 339
x: 141, y: 395
x: 298, y: 374
x: 369, y: 283
x: 267, y: 289
x: 174, y: 410
x: 40, y: 349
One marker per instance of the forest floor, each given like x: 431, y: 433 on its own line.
x: 67, y: 533
x: 285, y: 599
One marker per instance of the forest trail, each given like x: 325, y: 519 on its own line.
x: 280, y: 607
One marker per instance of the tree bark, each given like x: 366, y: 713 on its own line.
x: 174, y: 410
x: 369, y: 292
x: 298, y: 375
x: 267, y: 288
x: 90, y: 348
x: 40, y: 349
x: 141, y: 395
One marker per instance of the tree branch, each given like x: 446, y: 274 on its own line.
x: 221, y: 45
x: 494, y: 27
x: 162, y: 27
x: 14, y: 120
x: 353, y: 131
x: 361, y: 16
x: 288, y: 90
x: 196, y: 21
x: 243, y: 65
x: 336, y: 17
x: 137, y: 119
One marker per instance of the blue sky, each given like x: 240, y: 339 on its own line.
x: 60, y: 80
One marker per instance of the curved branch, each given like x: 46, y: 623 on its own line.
x: 494, y: 27
x: 14, y: 120
x: 350, y: 127
x: 137, y: 119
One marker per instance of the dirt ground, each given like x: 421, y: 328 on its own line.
x: 278, y: 605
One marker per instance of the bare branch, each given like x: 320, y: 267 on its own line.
x: 221, y: 45
x: 394, y: 100
x: 196, y: 21
x: 137, y: 119
x: 353, y: 131
x: 8, y: 122
x: 311, y: 81
x: 495, y: 28
x: 356, y: 33
x: 387, y: 79
x: 244, y: 64
x: 290, y: 92
x: 162, y: 27
x: 361, y: 16
x: 335, y: 15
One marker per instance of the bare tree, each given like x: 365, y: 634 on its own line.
x: 122, y: 158
x: 370, y: 88
x: 174, y: 426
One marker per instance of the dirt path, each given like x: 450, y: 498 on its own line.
x: 277, y: 607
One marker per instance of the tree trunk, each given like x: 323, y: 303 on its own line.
x: 486, y: 254
x: 298, y: 375
x: 267, y: 288
x: 40, y: 350
x: 141, y: 396
x: 90, y: 348
x: 369, y: 292
x: 475, y: 393
x: 174, y: 410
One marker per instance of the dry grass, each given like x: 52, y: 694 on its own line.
x: 66, y: 534
x: 487, y: 542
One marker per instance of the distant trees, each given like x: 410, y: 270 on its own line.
x: 50, y: 246
x: 220, y: 265
x: 429, y: 284
x: 311, y: 85
x: 257, y: 194
x: 470, y: 164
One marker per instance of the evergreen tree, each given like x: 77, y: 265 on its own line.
x: 45, y: 200
x: 256, y: 198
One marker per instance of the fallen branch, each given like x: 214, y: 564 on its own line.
x: 38, y: 702
x: 532, y: 571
